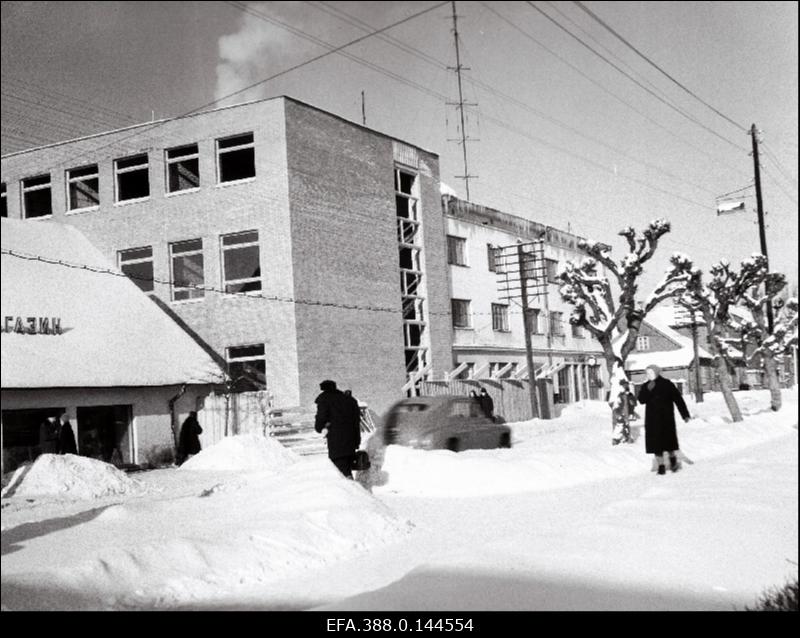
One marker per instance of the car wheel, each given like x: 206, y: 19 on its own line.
x: 453, y: 445
x: 505, y: 440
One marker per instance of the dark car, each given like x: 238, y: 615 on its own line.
x: 445, y: 422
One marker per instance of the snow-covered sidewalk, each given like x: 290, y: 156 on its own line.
x: 560, y: 521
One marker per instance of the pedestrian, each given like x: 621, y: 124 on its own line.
x: 660, y: 397
x: 66, y: 437
x: 189, y: 440
x: 486, y: 403
x: 48, y: 436
x: 339, y: 418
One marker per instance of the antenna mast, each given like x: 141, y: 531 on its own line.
x: 461, y: 104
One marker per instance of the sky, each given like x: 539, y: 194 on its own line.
x: 560, y: 136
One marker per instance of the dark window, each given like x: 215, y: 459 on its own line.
x: 247, y: 367
x: 410, y: 258
x: 533, y: 318
x: 37, y: 199
x: 187, y: 270
x: 236, y: 158
x: 491, y: 256
x: 137, y: 263
x: 499, y: 317
x: 460, y: 308
x: 557, y: 324
x: 83, y: 185
x: 183, y: 168
x: 3, y: 201
x: 241, y: 262
x: 132, y: 178
x: 456, y: 251
x: 552, y: 270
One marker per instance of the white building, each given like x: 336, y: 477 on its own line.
x: 89, y: 342
x: 488, y: 330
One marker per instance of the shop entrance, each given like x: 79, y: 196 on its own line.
x: 21, y: 435
x: 104, y: 433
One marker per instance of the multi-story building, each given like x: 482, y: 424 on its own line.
x: 488, y: 329
x: 294, y: 245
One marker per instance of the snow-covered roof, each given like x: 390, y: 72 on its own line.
x: 661, y: 319
x: 113, y: 334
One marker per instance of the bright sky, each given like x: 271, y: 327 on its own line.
x: 564, y: 138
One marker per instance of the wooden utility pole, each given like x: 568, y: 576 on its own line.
x: 526, y: 320
x: 363, y: 110
x: 698, y: 383
x: 762, y: 232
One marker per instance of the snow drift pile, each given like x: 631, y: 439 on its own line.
x: 243, y: 452
x: 70, y: 476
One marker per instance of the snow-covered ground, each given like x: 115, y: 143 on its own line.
x: 560, y: 521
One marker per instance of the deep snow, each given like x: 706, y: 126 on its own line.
x: 560, y: 521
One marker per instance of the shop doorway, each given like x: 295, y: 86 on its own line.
x: 21, y: 435
x: 104, y: 433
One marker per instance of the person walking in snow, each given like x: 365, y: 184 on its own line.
x: 486, y: 403
x: 48, y: 436
x: 660, y: 397
x: 66, y: 437
x: 189, y: 440
x: 339, y: 418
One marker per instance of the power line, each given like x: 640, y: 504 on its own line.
x: 669, y: 131
x: 656, y: 66
x: 635, y: 81
x: 773, y: 158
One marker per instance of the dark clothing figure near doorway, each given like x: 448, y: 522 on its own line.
x: 338, y: 415
x: 189, y: 439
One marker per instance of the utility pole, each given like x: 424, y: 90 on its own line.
x: 698, y: 384
x: 762, y: 233
x: 526, y: 320
x: 460, y: 104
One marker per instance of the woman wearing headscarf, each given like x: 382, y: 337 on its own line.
x: 660, y: 396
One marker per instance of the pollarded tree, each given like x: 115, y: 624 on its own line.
x: 601, y: 311
x: 769, y: 347
x: 725, y: 289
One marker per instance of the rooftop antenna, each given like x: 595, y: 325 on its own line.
x: 461, y: 104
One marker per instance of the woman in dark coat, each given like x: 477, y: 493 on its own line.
x: 66, y: 437
x: 189, y: 442
x: 340, y: 418
x: 660, y: 397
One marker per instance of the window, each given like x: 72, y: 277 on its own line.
x: 456, y: 251
x: 499, y: 317
x: 137, y: 263
x: 83, y: 188
x: 410, y: 258
x: 642, y: 343
x: 247, y: 367
x: 37, y: 199
x: 187, y: 270
x: 183, y: 168
x: 241, y: 262
x: 534, y: 319
x: 468, y: 371
x: 466, y: 409
x: 491, y: 258
x: 460, y: 308
x: 578, y: 332
x: 3, y: 201
x: 132, y: 178
x: 557, y: 324
x: 236, y: 158
x: 552, y: 270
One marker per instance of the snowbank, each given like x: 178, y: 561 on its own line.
x: 576, y: 448
x: 243, y: 452
x: 234, y: 533
x: 71, y: 476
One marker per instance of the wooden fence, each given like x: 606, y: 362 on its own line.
x: 511, y: 396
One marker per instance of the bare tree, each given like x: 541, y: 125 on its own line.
x: 725, y: 289
x: 596, y: 309
x: 769, y: 346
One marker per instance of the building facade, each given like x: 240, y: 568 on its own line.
x: 488, y: 329
x: 292, y: 244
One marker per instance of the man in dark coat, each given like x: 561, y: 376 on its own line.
x: 66, y: 437
x: 48, y: 436
x: 486, y: 403
x: 660, y: 396
x: 338, y: 415
x: 189, y: 440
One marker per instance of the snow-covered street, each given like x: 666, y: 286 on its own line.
x: 560, y: 521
